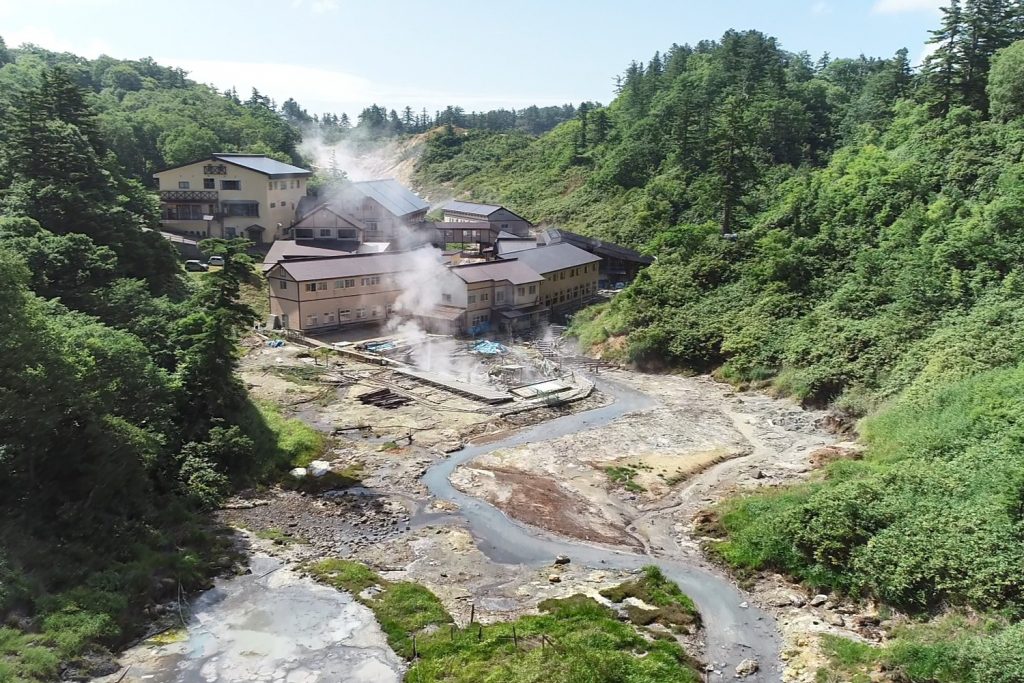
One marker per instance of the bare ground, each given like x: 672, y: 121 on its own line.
x: 701, y: 442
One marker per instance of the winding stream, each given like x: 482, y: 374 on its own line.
x: 277, y: 627
x: 733, y: 633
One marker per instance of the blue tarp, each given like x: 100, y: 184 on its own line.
x: 275, y: 343
x: 489, y: 348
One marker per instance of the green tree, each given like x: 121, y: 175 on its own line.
x: 1006, y: 82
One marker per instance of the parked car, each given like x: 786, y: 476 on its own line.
x: 215, y: 261
x: 194, y: 266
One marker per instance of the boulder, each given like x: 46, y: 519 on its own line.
x: 554, y: 578
x: 819, y: 600
x: 746, y: 668
x: 835, y: 619
x: 562, y: 559
x: 298, y: 472
x: 319, y: 468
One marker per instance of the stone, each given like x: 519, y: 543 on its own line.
x: 298, y: 472
x: 759, y: 474
x: 554, y: 578
x: 835, y: 619
x: 819, y: 600
x: 562, y: 559
x: 781, y: 598
x: 744, y: 605
x: 319, y: 468
x: 746, y: 668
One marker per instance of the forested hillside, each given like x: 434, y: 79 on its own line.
x: 120, y: 413
x: 849, y: 232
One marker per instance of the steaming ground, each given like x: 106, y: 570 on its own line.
x: 698, y: 443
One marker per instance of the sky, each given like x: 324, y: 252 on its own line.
x: 342, y: 55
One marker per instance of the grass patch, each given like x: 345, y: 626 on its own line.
x: 298, y: 444
x: 279, y: 537
x: 674, y: 608
x: 575, y: 639
x: 624, y: 477
x: 304, y: 375
x: 403, y: 609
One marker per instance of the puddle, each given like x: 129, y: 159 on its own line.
x: 274, y: 627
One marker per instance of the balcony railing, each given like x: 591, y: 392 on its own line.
x: 188, y: 196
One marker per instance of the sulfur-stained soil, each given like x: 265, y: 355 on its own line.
x: 642, y: 478
x: 635, y: 483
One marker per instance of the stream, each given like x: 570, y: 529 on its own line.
x: 733, y: 632
x: 278, y: 627
x: 272, y: 626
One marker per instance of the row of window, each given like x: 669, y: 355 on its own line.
x: 480, y: 319
x: 573, y: 272
x: 284, y: 205
x: 367, y: 281
x: 346, y: 314
x: 211, y: 184
x: 570, y: 294
x: 523, y: 290
x: 283, y: 184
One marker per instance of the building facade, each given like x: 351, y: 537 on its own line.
x: 320, y: 294
x: 317, y: 294
x: 570, y: 275
x: 498, y: 217
x: 231, y: 195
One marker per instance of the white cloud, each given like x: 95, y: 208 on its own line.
x: 905, y: 6
x: 821, y: 8
x: 47, y: 39
x: 926, y: 52
x: 324, y: 90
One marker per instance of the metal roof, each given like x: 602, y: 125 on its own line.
x: 514, y: 246
x: 262, y: 164
x: 282, y: 250
x: 352, y: 265
x: 497, y: 271
x: 392, y: 195
x: 593, y: 245
x: 470, y: 207
x: 552, y: 257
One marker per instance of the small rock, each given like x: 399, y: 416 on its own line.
x: 819, y: 600
x: 758, y: 474
x: 554, y: 578
x: 562, y: 559
x: 746, y: 668
x: 744, y: 605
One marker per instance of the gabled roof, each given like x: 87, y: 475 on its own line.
x: 514, y: 246
x: 262, y: 164
x: 272, y: 168
x: 506, y: 235
x: 392, y: 195
x: 549, y: 258
x: 283, y: 250
x: 328, y: 207
x: 471, y: 207
x: 593, y: 245
x: 511, y: 270
x: 352, y: 265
